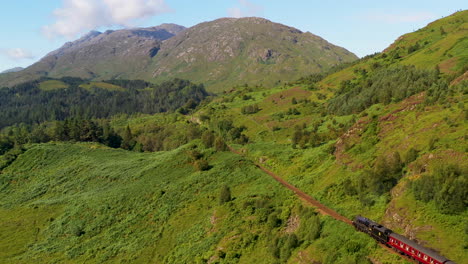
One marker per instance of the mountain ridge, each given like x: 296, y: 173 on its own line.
x: 260, y: 46
x: 15, y: 69
x: 214, y: 47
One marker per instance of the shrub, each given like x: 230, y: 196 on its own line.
x: 411, y: 156
x: 208, y: 139
x: 225, y: 195
x: 447, y: 185
x: 282, y: 247
x: 310, y: 226
x: 220, y: 145
x: 250, y: 109
x: 201, y: 165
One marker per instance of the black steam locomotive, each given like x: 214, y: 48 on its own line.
x: 398, y: 242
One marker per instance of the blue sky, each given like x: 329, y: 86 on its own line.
x: 32, y: 28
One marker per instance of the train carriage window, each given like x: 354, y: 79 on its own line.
x: 407, y: 248
x: 401, y: 244
x: 425, y: 257
x: 432, y: 261
x: 419, y: 254
x: 412, y: 251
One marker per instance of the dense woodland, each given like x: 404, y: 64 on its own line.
x: 384, y: 85
x: 27, y: 103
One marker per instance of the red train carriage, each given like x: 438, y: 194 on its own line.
x: 399, y: 242
x: 416, y: 251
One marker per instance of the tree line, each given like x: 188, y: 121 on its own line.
x: 27, y: 103
x: 384, y: 85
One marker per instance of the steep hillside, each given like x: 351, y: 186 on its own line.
x: 443, y: 43
x: 440, y: 44
x: 379, y: 137
x: 386, y: 141
x: 107, y: 55
x: 231, y: 51
x: 403, y: 164
x: 220, y: 54
x: 75, y: 203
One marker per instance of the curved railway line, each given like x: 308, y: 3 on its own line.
x: 322, y: 209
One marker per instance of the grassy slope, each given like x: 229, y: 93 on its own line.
x: 75, y: 203
x: 57, y: 84
x: 52, y: 85
x: 322, y: 171
x: 441, y: 43
x: 102, y: 85
x: 71, y: 203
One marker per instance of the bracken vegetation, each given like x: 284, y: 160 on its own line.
x: 105, y: 184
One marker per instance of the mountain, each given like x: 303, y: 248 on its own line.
x: 105, y: 55
x: 15, y: 69
x: 220, y: 54
x: 252, y: 50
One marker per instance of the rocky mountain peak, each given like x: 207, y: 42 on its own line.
x: 218, y: 53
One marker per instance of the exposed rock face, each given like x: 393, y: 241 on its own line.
x: 105, y: 55
x: 252, y: 50
x: 220, y: 53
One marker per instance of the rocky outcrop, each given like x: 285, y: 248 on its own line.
x: 221, y: 53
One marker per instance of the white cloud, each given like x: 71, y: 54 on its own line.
x: 17, y: 54
x: 235, y: 12
x: 400, y: 18
x: 244, y: 9
x: 78, y: 16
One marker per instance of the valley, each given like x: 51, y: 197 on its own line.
x: 235, y: 141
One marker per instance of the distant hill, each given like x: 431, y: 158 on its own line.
x: 15, y: 69
x: 105, y: 55
x: 231, y: 51
x: 221, y: 53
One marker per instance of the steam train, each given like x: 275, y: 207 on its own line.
x: 398, y: 242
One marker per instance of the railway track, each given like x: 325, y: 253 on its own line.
x: 322, y: 209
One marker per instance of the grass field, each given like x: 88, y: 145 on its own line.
x: 52, y: 85
x: 75, y: 203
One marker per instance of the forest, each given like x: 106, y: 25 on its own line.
x: 384, y: 85
x: 28, y: 103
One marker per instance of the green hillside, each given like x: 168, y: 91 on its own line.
x: 348, y: 163
x: 384, y: 137
x: 440, y: 44
x: 75, y: 203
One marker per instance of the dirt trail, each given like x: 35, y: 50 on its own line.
x: 322, y: 209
